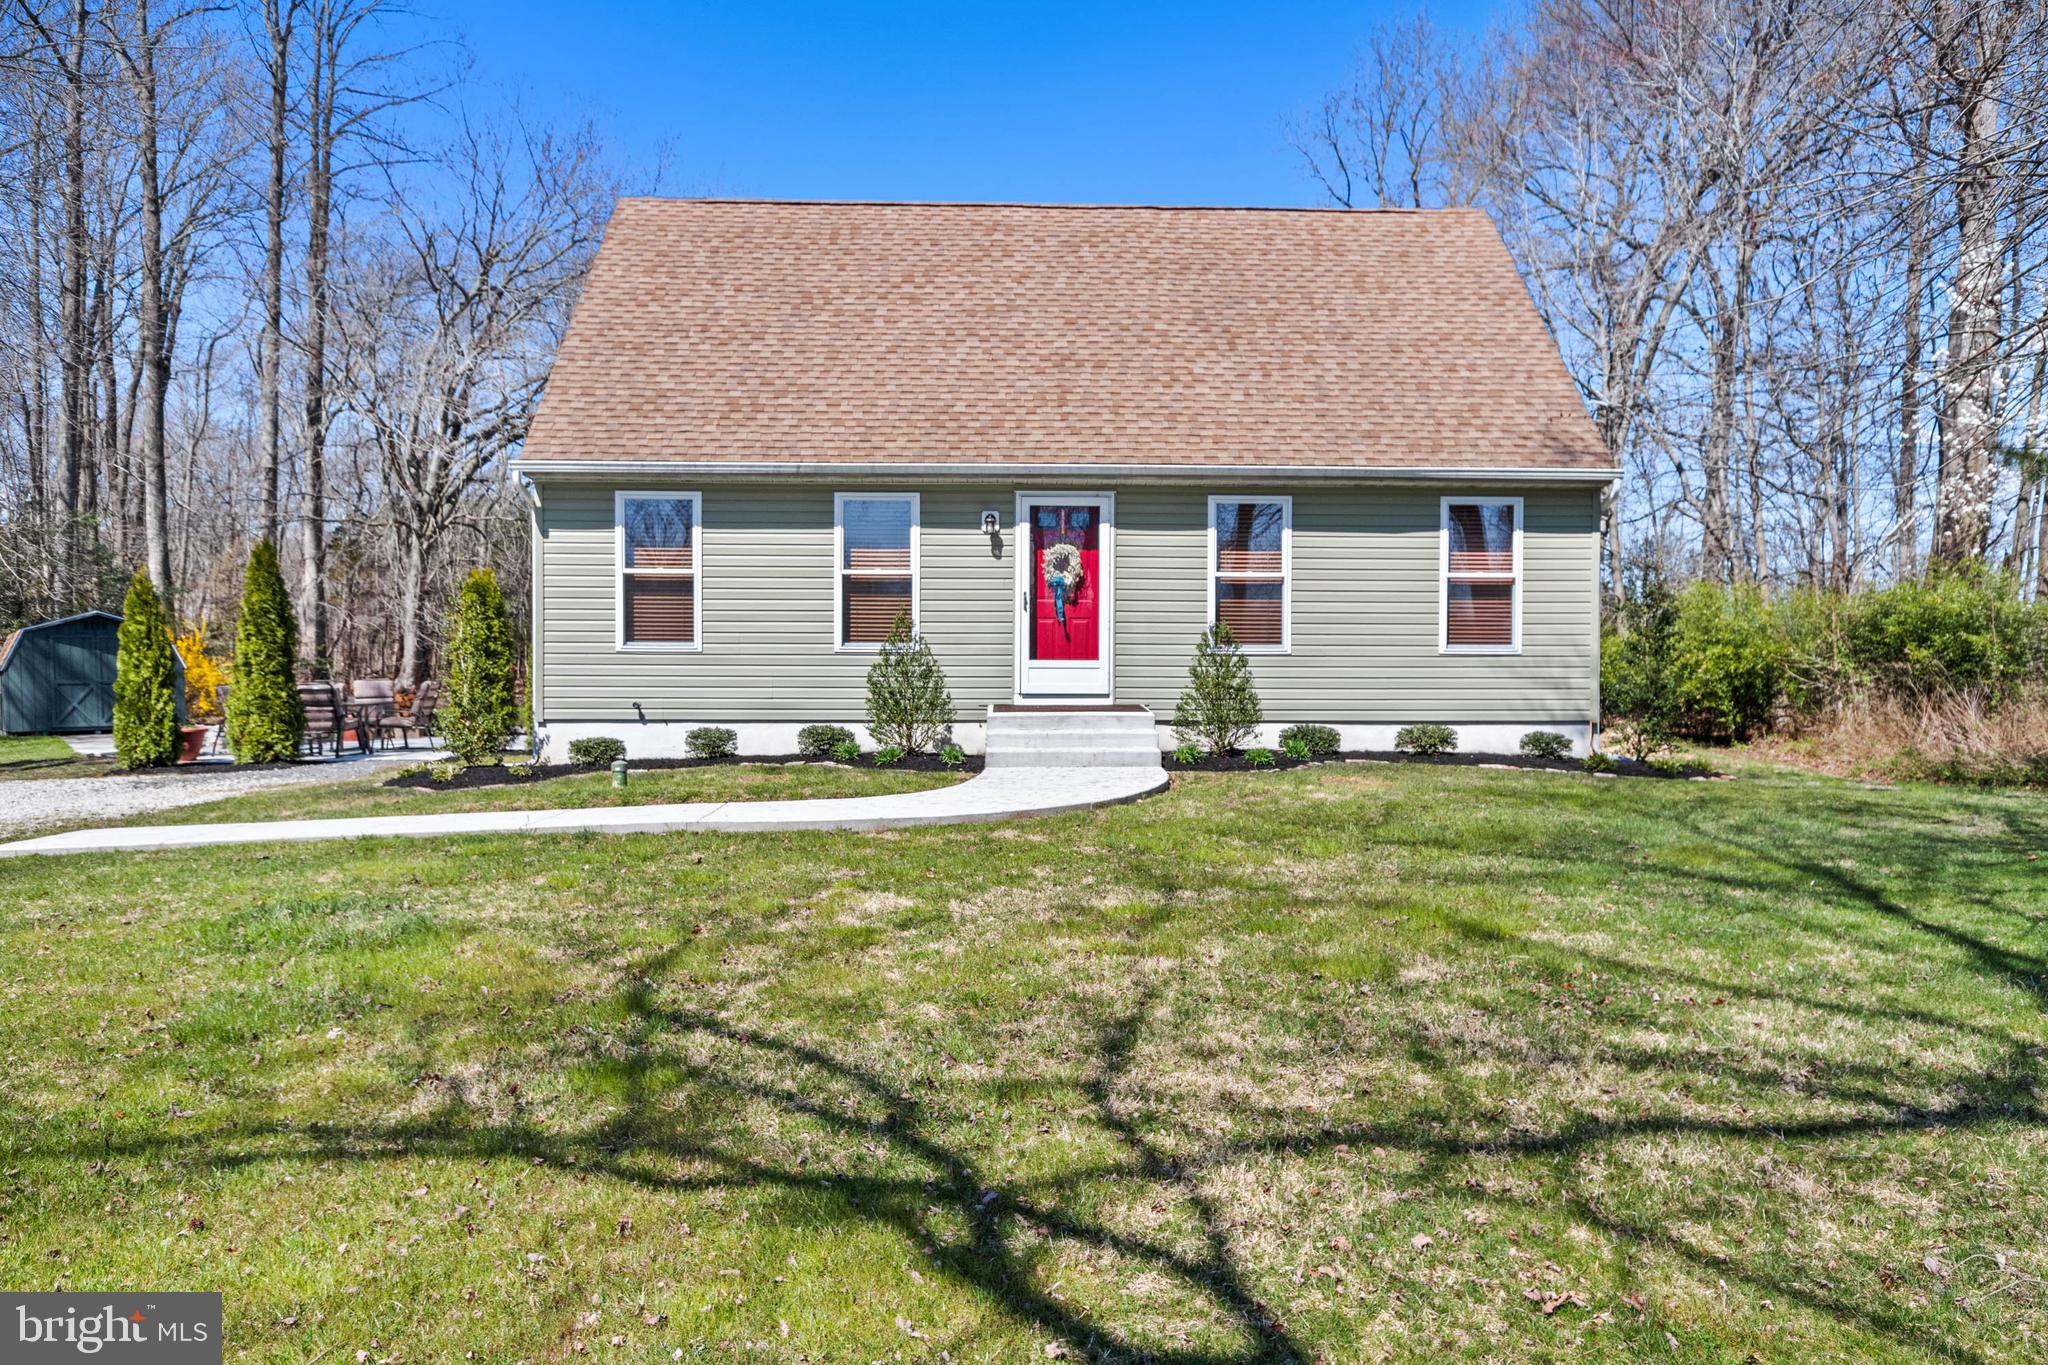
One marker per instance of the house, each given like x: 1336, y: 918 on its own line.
x: 1063, y: 439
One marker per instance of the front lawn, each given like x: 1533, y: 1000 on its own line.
x: 734, y: 782
x: 1333, y: 1063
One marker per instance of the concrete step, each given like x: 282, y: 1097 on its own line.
x: 1072, y: 758
x: 1071, y: 738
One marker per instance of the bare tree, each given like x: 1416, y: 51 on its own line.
x: 452, y: 328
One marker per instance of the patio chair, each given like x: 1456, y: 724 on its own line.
x: 371, y: 700
x: 321, y: 701
x: 419, y: 719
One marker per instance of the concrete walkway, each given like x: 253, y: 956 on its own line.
x: 1002, y: 794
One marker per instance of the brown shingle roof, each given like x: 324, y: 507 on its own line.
x: 720, y: 330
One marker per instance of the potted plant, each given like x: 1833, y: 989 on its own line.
x: 192, y: 742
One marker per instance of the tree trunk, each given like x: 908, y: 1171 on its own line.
x: 1969, y: 469
x: 320, y: 98
x: 277, y: 27
x: 73, y: 360
x: 1905, y: 485
x: 151, y: 324
x: 412, y: 591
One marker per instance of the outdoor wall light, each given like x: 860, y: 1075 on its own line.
x: 990, y: 523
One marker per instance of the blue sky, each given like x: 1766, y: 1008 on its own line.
x: 1103, y: 103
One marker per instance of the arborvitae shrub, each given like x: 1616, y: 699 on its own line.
x: 264, y: 717
x: 145, y: 681
x: 478, y: 712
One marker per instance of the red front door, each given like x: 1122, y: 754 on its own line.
x: 1066, y: 581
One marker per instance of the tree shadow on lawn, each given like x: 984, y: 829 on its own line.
x: 673, y: 1114
x: 2027, y: 971
x: 644, y: 1142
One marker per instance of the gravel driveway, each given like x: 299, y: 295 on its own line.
x: 29, y: 806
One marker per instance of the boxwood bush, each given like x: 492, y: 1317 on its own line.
x: 816, y: 741
x: 597, y: 751
x: 712, y: 741
x: 1546, y: 744
x: 1317, y: 741
x: 1426, y: 739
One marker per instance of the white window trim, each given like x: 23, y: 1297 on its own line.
x: 840, y: 645
x: 1443, y: 578
x: 619, y: 571
x: 1286, y: 501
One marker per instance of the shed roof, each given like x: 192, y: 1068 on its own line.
x: 13, y: 636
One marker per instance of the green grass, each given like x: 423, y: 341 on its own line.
x: 739, y: 782
x: 1334, y: 1063
x: 37, y: 756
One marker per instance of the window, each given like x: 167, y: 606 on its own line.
x: 1482, y: 571
x: 875, y: 539
x: 658, y: 568
x: 1250, y: 543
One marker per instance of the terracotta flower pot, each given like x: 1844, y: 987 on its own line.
x: 191, y: 742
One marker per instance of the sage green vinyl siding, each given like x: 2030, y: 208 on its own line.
x: 1364, y: 601
x: 765, y: 607
x: 1365, y: 608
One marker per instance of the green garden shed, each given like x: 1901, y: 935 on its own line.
x: 58, y: 676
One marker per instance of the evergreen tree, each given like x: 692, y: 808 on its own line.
x: 145, y: 681
x: 479, y: 714
x: 264, y: 718
x: 909, y: 704
x: 1220, y: 708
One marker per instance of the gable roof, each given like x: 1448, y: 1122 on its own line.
x: 730, y: 332
x: 14, y: 636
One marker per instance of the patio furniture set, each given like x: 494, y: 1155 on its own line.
x: 370, y: 709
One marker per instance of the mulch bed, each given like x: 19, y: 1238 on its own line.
x: 503, y: 775
x: 1238, y: 763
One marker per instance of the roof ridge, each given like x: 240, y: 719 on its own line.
x: 1332, y: 209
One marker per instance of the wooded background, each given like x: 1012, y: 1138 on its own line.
x: 1792, y: 251
x: 273, y: 267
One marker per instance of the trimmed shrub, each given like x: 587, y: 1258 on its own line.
x: 1317, y: 741
x: 477, y: 716
x: 264, y: 718
x: 712, y: 741
x: 815, y: 741
x: 596, y: 751
x: 909, y: 705
x: 1219, y: 709
x: 1426, y: 739
x: 1546, y: 744
x: 145, y: 681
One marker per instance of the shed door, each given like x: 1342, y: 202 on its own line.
x: 82, y: 678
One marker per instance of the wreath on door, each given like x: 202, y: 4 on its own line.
x: 1062, y: 568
